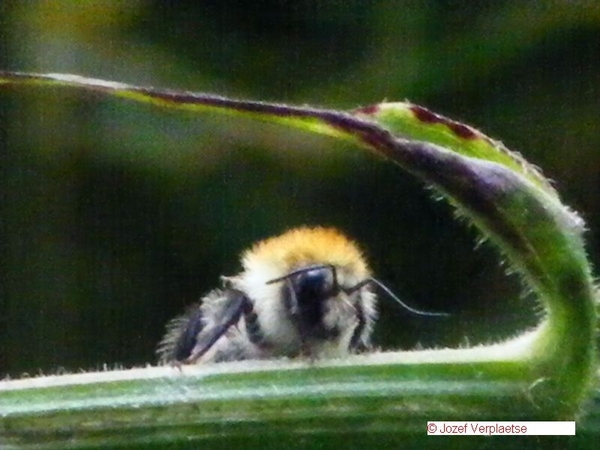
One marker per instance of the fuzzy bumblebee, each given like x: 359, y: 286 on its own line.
x: 307, y: 292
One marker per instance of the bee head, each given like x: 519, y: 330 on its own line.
x: 305, y: 293
x: 297, y: 280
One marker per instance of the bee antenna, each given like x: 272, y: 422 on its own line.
x: 306, y: 269
x: 389, y: 292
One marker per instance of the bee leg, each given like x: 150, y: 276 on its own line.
x: 253, y: 330
x: 238, y: 304
x: 356, y: 343
x: 176, y: 364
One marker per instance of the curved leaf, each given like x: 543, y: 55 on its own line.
x: 543, y: 374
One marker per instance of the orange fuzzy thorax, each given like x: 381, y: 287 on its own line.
x: 308, y: 246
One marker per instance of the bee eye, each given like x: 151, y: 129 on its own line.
x: 315, y: 283
x: 318, y: 279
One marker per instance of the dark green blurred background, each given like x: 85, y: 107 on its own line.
x: 115, y: 215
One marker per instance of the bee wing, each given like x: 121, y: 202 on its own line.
x: 191, y: 335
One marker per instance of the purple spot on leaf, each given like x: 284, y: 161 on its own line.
x: 368, y: 110
x: 427, y: 116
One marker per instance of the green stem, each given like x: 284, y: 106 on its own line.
x: 210, y: 404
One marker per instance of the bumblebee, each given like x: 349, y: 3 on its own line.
x: 307, y: 292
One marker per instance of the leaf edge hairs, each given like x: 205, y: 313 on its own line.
x: 305, y: 293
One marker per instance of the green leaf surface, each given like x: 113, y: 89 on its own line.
x: 544, y: 374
